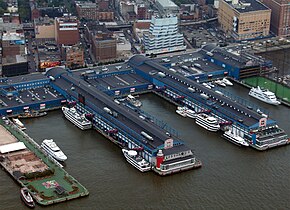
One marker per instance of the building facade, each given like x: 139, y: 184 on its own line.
x: 104, y: 48
x: 163, y: 36
x: 280, y: 17
x: 87, y: 10
x: 246, y: 19
x: 66, y: 30
x: 73, y: 56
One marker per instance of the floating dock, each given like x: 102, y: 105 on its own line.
x: 25, y: 161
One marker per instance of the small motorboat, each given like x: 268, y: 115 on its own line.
x: 227, y: 82
x: 26, y: 197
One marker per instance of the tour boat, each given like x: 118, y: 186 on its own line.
x: 136, y: 160
x: 18, y: 123
x: 189, y: 113
x: 208, y: 122
x: 264, y: 95
x: 53, y: 150
x: 76, y: 118
x: 26, y: 197
x: 238, y: 140
x: 227, y: 82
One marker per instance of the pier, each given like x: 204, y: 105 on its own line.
x: 31, y: 167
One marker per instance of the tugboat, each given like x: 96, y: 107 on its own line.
x: 136, y: 160
x: 26, y: 197
x: 32, y: 114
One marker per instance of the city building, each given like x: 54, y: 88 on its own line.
x: 73, y: 56
x: 86, y: 10
x: 13, y: 44
x: 105, y: 15
x: 127, y: 7
x: 44, y: 28
x: 14, y: 65
x: 66, y: 30
x: 280, y: 17
x: 244, y: 19
x: 163, y: 36
x: 103, y: 44
x: 142, y: 13
x: 167, y: 7
x: 140, y: 27
x: 104, y: 5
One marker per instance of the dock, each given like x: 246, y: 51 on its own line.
x: 46, y: 181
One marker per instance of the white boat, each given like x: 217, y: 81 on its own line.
x: 235, y: 139
x: 206, y: 85
x: 19, y: 124
x: 189, y: 113
x: 227, y: 82
x: 181, y: 112
x: 220, y: 83
x: 264, y: 95
x: 76, y: 118
x: 53, y: 150
x: 136, y: 160
x: 134, y: 101
x: 208, y: 122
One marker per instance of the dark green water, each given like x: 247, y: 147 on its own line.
x: 231, y: 177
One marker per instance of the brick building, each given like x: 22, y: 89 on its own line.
x: 66, y: 30
x: 87, y: 10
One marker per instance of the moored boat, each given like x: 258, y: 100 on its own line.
x: 227, y: 82
x: 26, y: 197
x: 181, y: 112
x: 19, y: 124
x: 264, y: 95
x: 189, y: 113
x: 76, y: 118
x: 238, y: 140
x: 136, y: 160
x: 220, y: 83
x: 53, y: 150
x: 32, y: 114
x: 208, y: 122
x: 134, y: 101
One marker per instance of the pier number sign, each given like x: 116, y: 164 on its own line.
x: 168, y: 143
x: 262, y: 122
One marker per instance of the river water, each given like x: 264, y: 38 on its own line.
x: 231, y: 177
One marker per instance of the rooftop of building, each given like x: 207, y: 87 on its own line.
x: 167, y: 3
x: 12, y: 36
x: 67, y: 19
x: 86, y: 4
x: 243, y: 6
x: 44, y: 21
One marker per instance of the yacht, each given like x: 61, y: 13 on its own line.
x: 19, y: 124
x: 76, y: 118
x: 235, y: 139
x: 136, y: 160
x: 227, y: 82
x: 220, y: 83
x: 26, y: 197
x: 188, y: 112
x: 53, y: 150
x: 181, y: 111
x: 264, y: 95
x: 207, y: 122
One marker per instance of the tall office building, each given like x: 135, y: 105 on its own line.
x: 66, y: 30
x: 163, y: 36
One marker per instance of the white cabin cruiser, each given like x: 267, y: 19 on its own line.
x: 264, y: 95
x: 53, y: 150
x: 136, y: 160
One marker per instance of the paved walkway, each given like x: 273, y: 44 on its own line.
x: 6, y: 137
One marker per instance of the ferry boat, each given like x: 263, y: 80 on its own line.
x: 134, y: 101
x: 18, y: 123
x: 227, y: 82
x: 136, y: 160
x: 208, y: 122
x: 264, y: 95
x: 189, y: 113
x: 32, y: 114
x: 26, y: 197
x: 53, y: 150
x: 235, y: 139
x: 76, y: 118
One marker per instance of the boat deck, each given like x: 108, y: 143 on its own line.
x: 40, y: 174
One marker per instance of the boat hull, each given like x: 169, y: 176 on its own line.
x: 234, y: 141
x: 31, y: 203
x: 266, y: 101
x: 134, y: 163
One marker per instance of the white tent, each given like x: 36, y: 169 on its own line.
x: 12, y: 147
